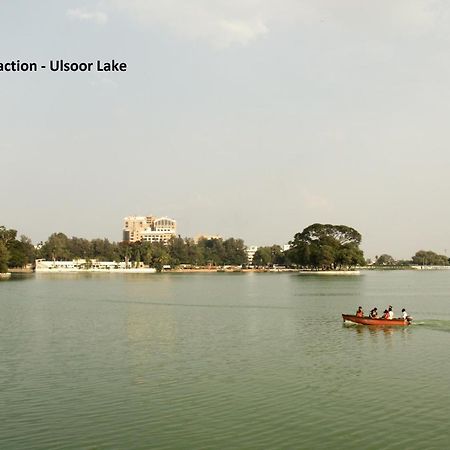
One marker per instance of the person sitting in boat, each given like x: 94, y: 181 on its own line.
x: 360, y: 312
x: 405, y: 315
x: 390, y: 313
x: 374, y: 313
x: 385, y: 314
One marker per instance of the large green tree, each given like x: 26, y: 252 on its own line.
x: 57, y: 247
x: 429, y: 258
x: 262, y: 257
x: 327, y: 247
x: 235, y: 253
x: 19, y: 254
x: 16, y: 253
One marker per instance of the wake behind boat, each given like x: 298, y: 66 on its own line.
x: 378, y: 322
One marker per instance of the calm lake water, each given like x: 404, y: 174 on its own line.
x: 223, y: 361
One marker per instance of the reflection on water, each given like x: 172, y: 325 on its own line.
x: 151, y: 335
x: 379, y: 332
x: 216, y: 361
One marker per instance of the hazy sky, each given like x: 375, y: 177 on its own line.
x: 245, y: 118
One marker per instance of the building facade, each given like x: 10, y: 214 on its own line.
x: 251, y: 253
x: 149, y: 229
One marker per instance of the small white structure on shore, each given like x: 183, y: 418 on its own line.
x: 83, y: 265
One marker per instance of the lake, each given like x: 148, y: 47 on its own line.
x: 223, y: 361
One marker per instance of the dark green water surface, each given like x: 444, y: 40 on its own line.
x: 223, y: 361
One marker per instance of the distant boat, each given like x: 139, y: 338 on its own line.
x: 377, y: 322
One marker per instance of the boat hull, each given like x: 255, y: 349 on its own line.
x: 376, y: 322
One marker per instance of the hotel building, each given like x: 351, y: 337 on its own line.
x: 149, y: 228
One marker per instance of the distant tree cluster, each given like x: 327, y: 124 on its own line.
x: 270, y: 256
x: 215, y: 252
x: 327, y: 247
x: 205, y: 252
x: 421, y: 258
x: 429, y: 258
x: 385, y: 260
x: 59, y: 247
x: 14, y: 252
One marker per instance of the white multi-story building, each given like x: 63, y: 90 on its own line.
x: 251, y: 253
x: 149, y: 228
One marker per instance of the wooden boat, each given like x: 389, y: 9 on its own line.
x: 378, y: 322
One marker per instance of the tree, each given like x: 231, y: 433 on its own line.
x: 429, y: 258
x: 385, y: 260
x: 234, y: 252
x: 160, y: 256
x: 19, y: 252
x: 267, y: 256
x: 340, y: 233
x: 6, y: 235
x: 212, y: 250
x: 28, y: 249
x: 4, y: 257
x: 194, y: 253
x: 79, y: 248
x: 57, y: 247
x: 326, y: 247
x: 177, y: 251
x: 104, y: 250
x: 262, y: 257
x: 278, y: 256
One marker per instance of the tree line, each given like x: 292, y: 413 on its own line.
x: 216, y: 252
x: 319, y: 246
x: 59, y: 247
x: 421, y: 258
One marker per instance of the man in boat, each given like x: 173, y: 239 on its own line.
x: 405, y: 316
x: 374, y: 313
x: 385, y: 314
x: 390, y: 313
x: 359, y: 312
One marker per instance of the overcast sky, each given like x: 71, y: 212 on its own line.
x: 244, y: 118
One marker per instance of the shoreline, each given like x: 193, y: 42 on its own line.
x: 153, y: 271
x: 202, y: 270
x: 330, y: 272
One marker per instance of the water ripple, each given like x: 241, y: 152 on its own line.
x: 244, y: 362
